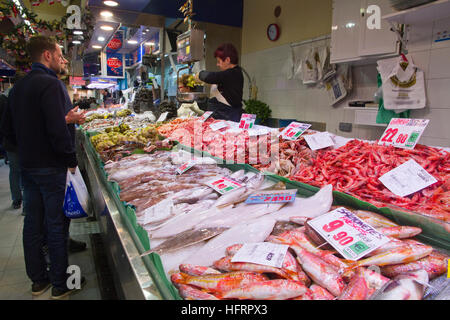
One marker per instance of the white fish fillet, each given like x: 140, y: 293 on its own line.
x: 254, y: 231
x: 311, y: 207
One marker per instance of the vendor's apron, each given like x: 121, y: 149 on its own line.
x: 221, y: 108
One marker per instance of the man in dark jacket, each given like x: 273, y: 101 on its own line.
x: 46, y: 151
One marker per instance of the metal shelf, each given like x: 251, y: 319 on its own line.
x: 428, y: 12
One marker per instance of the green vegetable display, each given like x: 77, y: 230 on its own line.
x: 259, y: 108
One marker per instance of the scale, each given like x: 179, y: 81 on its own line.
x: 190, y: 49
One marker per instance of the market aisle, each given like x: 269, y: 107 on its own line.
x: 14, y: 283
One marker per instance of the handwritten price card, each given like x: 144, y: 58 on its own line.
x: 265, y: 253
x: 349, y: 235
x: 404, y: 133
x: 294, y: 130
x: 205, y: 116
x: 272, y: 196
x: 407, y: 179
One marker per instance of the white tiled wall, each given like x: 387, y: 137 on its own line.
x: 290, y: 99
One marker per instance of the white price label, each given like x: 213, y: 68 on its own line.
x: 265, y: 253
x: 319, y: 140
x: 407, y: 178
x: 218, y: 125
x: 247, y: 121
x: 224, y: 185
x: 185, y: 167
x: 403, y: 133
x: 349, y: 235
x: 162, y: 117
x: 294, y: 130
x: 205, y: 116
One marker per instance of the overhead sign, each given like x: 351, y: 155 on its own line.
x: 113, y: 62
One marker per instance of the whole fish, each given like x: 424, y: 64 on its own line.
x: 401, y: 232
x: 253, y: 231
x: 283, y: 226
x: 299, y: 219
x: 290, y: 265
x: 374, y: 279
x: 197, y: 270
x: 393, y: 244
x: 435, y: 265
x: 223, y: 282
x: 177, y: 279
x: 191, y: 293
x: 408, y: 286
x: 186, y: 239
x: 320, y: 293
x: 255, y: 182
x: 374, y: 219
x: 297, y: 238
x: 232, y: 197
x: 308, y: 295
x: 267, y: 290
x: 399, y: 255
x: 320, y: 271
x: 357, y: 289
x: 439, y: 289
x: 225, y: 264
x: 311, y: 207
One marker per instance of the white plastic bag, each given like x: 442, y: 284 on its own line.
x: 77, y: 197
x: 403, y: 88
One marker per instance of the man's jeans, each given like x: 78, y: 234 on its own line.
x: 15, y: 181
x: 44, y: 191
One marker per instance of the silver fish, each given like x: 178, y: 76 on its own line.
x: 232, y: 197
x: 439, y: 289
x: 408, y: 286
x: 185, y: 239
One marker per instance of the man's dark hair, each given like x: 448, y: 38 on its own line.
x: 38, y: 44
x: 227, y: 50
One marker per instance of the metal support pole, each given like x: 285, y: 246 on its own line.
x: 163, y: 64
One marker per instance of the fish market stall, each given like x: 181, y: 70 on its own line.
x: 176, y: 219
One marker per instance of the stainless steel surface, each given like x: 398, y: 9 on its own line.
x: 131, y: 276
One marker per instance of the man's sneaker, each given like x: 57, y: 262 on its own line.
x: 17, y: 204
x: 76, y: 246
x: 58, y: 294
x: 39, y: 288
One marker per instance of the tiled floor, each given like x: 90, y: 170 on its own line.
x: 14, y: 283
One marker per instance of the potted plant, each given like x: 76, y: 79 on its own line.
x: 259, y: 108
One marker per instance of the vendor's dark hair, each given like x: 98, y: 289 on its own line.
x: 227, y: 50
x: 38, y: 44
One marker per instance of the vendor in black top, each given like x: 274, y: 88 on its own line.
x: 226, y: 92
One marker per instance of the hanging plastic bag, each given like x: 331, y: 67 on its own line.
x: 404, y: 87
x: 77, y: 197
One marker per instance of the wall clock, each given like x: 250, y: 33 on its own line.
x: 273, y: 32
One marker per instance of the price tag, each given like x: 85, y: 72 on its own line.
x: 404, y: 133
x: 407, y: 178
x: 294, y: 130
x: 224, y: 185
x: 272, y: 196
x: 247, y: 121
x: 162, y: 117
x: 185, y: 167
x: 257, y: 132
x: 218, y: 125
x: 205, y: 116
x: 349, y: 235
x: 319, y: 140
x: 265, y: 253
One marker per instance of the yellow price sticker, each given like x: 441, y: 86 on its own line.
x: 448, y: 268
x: 188, y: 49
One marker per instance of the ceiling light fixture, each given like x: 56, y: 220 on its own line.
x: 101, y: 39
x: 78, y: 32
x: 110, y: 3
x: 149, y: 44
x: 106, y: 14
x: 132, y: 42
x: 76, y: 42
x: 107, y: 28
x: 96, y: 47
